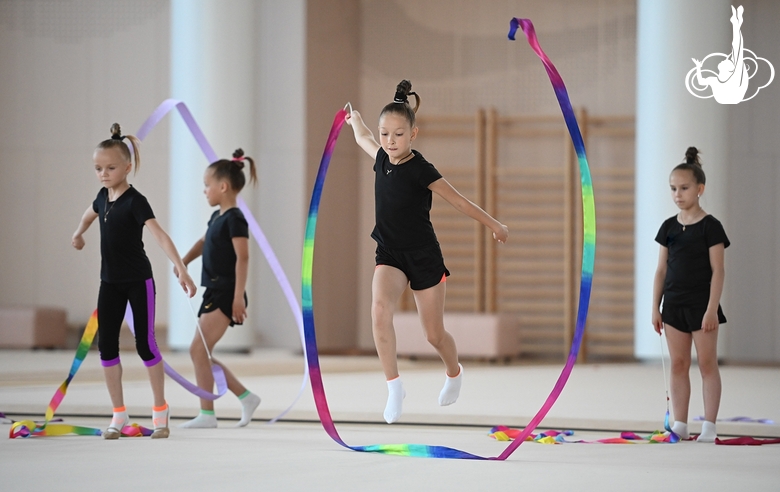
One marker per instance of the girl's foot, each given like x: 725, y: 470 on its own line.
x: 708, y: 432
x: 160, y: 421
x: 681, y: 429
x: 395, y: 400
x: 118, y: 422
x: 249, y: 402
x: 449, y: 394
x: 205, y: 420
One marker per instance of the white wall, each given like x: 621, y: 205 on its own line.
x: 68, y: 71
x: 753, y: 188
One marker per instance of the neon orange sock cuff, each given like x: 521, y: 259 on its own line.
x: 120, y: 409
x: 161, y: 408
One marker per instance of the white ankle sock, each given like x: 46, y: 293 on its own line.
x: 395, y: 400
x: 119, y: 420
x: 681, y: 429
x: 248, y: 405
x: 202, y: 421
x: 708, y: 432
x: 449, y: 394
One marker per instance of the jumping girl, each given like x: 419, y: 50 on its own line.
x: 407, y: 249
x: 689, y: 279
x: 225, y: 250
x: 126, y: 275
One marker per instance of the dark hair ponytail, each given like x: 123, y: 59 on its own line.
x: 400, y: 104
x: 233, y: 170
x: 693, y: 164
x: 116, y: 141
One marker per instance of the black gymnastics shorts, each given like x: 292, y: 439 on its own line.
x: 423, y: 267
x: 221, y: 299
x: 686, y: 320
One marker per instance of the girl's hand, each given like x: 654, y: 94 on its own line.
x: 710, y: 321
x: 658, y: 324
x: 239, y: 309
x: 187, y: 284
x: 502, y: 234
x: 353, y: 116
x: 77, y: 241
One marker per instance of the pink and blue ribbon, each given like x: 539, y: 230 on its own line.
x: 588, y: 255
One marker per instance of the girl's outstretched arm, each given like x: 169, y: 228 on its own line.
x: 363, y: 135
x: 241, y: 247
x: 168, y: 247
x: 86, y: 220
x: 710, y: 321
x: 465, y: 206
x: 195, y: 251
x: 658, y: 289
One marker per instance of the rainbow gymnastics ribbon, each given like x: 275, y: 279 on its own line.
x: 588, y: 255
x: 27, y: 428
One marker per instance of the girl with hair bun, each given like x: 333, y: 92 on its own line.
x: 126, y: 275
x: 689, y: 280
x: 225, y: 251
x: 407, y: 250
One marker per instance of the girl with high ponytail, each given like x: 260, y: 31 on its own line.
x: 225, y: 251
x: 689, y: 282
x: 126, y: 274
x: 408, y: 251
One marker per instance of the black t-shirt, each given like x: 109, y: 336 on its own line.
x: 121, y: 236
x: 219, y: 256
x: 688, y: 269
x: 403, y: 202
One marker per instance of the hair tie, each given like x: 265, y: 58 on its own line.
x: 117, y: 136
x: 238, y: 159
x: 401, y: 97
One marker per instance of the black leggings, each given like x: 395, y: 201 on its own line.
x: 112, y: 303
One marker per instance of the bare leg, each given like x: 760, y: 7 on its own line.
x: 680, y: 353
x: 114, y: 384
x: 430, y: 307
x: 214, y: 326
x: 157, y: 379
x: 119, y: 419
x: 388, y: 285
x: 706, y: 352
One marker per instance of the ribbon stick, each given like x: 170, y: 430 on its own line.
x: 588, y: 255
x: 28, y: 428
x: 216, y: 370
x: 503, y: 433
x: 273, y: 262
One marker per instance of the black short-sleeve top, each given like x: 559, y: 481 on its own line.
x: 219, y: 256
x: 403, y: 202
x: 688, y: 269
x: 123, y: 258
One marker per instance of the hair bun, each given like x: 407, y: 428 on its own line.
x: 116, y: 132
x: 402, y: 92
x: 238, y: 158
x: 692, y: 156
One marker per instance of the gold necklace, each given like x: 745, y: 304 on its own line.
x: 108, y: 210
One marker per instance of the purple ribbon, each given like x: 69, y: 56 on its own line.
x: 273, y: 262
